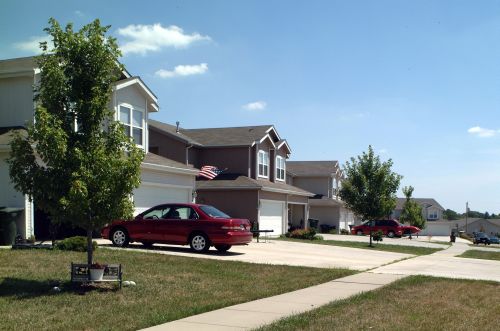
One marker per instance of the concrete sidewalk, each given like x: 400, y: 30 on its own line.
x: 254, y: 314
x: 446, y: 264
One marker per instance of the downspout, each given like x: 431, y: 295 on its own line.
x: 249, y: 169
x: 187, y: 153
x: 257, y: 160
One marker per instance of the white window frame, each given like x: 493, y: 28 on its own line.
x: 280, y: 159
x: 130, y: 126
x: 265, y: 164
x: 432, y: 215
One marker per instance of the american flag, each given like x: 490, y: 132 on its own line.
x: 209, y: 172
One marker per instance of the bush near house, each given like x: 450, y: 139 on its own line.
x: 308, y: 234
x: 77, y: 244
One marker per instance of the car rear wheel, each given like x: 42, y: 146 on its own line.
x: 222, y: 248
x: 359, y: 233
x: 119, y: 237
x: 199, y: 243
x: 390, y: 234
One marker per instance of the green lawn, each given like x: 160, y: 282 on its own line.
x: 377, y: 247
x: 477, y: 254
x: 168, y: 288
x: 413, y: 303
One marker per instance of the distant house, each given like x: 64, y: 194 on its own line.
x: 323, y: 178
x: 431, y: 209
x: 254, y: 182
x: 162, y: 179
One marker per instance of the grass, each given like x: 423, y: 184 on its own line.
x: 493, y: 246
x: 376, y: 247
x: 477, y: 254
x: 413, y: 303
x: 168, y: 288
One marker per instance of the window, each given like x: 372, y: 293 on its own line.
x: 156, y: 213
x: 263, y: 164
x: 280, y: 168
x: 133, y: 124
x: 433, y: 215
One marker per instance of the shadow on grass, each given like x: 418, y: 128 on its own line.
x: 177, y: 249
x: 29, y: 288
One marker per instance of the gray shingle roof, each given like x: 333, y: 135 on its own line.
x: 243, y: 182
x: 421, y: 201
x: 312, y: 168
x: 232, y: 136
x: 163, y: 161
x: 172, y: 131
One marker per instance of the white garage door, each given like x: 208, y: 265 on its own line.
x: 272, y: 216
x: 147, y: 196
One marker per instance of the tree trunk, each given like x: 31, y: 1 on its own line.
x: 89, y: 245
x: 371, y: 236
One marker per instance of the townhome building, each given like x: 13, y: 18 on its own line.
x: 162, y: 179
x: 253, y: 184
x: 323, y: 178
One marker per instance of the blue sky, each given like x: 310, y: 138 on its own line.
x: 418, y: 80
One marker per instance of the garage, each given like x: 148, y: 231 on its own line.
x: 271, y: 216
x: 152, y: 194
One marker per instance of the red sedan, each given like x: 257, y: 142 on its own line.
x: 200, y: 226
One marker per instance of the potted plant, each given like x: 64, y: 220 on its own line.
x: 96, y: 271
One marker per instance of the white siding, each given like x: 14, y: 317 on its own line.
x: 16, y: 101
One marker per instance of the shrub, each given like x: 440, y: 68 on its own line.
x: 78, y: 244
x: 377, y: 236
x: 309, y: 234
x: 344, y: 231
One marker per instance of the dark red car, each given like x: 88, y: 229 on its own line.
x: 200, y: 226
x: 390, y: 228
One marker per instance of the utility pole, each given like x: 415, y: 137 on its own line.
x: 466, y: 214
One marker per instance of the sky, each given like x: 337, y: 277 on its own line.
x: 417, y: 80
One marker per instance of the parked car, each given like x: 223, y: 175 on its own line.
x: 199, y: 226
x: 481, y: 238
x: 390, y: 228
x: 410, y: 230
x: 494, y: 240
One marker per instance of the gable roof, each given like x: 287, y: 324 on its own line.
x: 421, y: 201
x: 312, y: 168
x: 171, y: 130
x: 230, y: 136
x: 235, y: 181
x: 222, y: 137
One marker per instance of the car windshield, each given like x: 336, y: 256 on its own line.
x: 214, y: 212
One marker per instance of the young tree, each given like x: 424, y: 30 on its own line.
x: 451, y: 215
x: 412, y: 212
x: 370, y: 186
x: 75, y: 161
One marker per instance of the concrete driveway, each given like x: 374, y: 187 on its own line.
x: 284, y: 252
x: 405, y: 241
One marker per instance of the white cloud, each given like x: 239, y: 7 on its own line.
x: 79, y: 13
x: 152, y: 38
x: 482, y: 132
x: 183, y: 70
x: 32, y: 45
x: 257, y: 105
x: 383, y: 151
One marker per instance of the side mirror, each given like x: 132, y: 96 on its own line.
x: 138, y: 218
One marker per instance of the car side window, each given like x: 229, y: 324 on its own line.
x: 156, y: 213
x: 187, y: 213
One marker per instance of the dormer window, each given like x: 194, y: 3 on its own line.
x: 132, y: 120
x: 263, y: 164
x: 280, y: 168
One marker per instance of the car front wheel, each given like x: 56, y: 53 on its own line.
x: 359, y: 233
x: 222, y: 248
x: 390, y: 234
x: 120, y: 237
x: 199, y: 243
